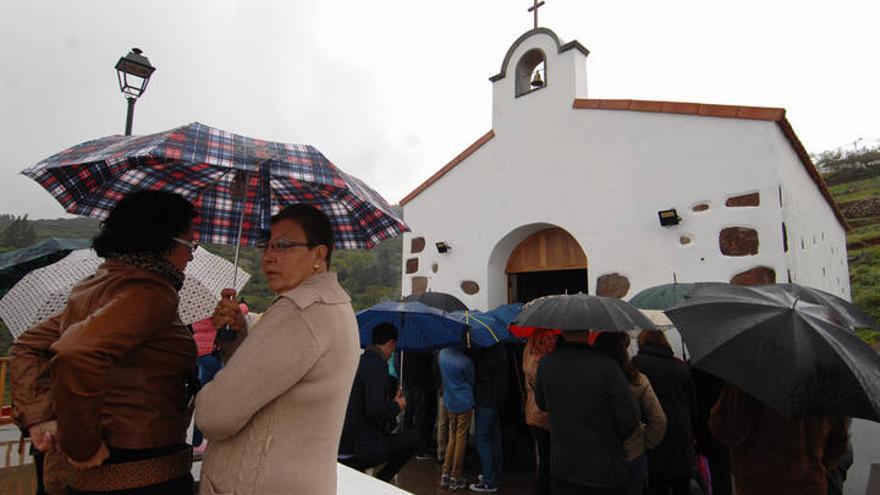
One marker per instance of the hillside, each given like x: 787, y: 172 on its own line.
x: 854, y: 181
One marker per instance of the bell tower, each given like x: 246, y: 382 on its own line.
x: 538, y: 71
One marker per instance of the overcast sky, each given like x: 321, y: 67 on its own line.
x: 392, y: 90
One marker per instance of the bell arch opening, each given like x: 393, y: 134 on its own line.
x: 531, y: 72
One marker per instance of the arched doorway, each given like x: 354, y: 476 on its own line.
x: 549, y: 261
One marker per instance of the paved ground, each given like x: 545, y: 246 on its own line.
x: 423, y: 478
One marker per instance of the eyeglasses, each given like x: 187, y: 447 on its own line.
x: 280, y: 245
x: 192, y: 245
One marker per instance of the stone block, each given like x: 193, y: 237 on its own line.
x: 751, y: 199
x: 612, y: 285
x: 417, y: 245
x: 419, y: 285
x: 412, y: 265
x: 738, y: 241
x: 759, y: 275
x: 470, y: 287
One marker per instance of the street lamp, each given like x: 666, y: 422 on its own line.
x: 134, y: 71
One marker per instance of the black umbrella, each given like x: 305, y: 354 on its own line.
x: 844, y: 310
x: 571, y: 312
x: 439, y: 300
x: 790, y: 354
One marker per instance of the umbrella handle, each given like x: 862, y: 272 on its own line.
x: 227, y: 334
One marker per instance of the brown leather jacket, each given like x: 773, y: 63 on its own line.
x: 112, y: 366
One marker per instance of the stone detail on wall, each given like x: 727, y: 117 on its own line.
x: 412, y: 265
x: 417, y: 245
x: 738, y: 241
x: 435, y: 267
x: 612, y: 285
x: 758, y: 275
x: 751, y: 199
x: 700, y: 207
x: 419, y: 285
x: 470, y: 287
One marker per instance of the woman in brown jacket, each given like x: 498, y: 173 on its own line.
x: 652, y: 428
x: 106, y: 384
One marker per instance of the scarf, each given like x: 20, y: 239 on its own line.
x: 156, y: 264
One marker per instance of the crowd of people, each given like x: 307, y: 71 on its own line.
x: 106, y: 390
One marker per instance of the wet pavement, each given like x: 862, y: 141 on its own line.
x: 423, y: 478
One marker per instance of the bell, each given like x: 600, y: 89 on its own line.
x: 536, y: 80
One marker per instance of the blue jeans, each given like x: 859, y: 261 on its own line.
x: 487, y: 429
x: 208, y: 367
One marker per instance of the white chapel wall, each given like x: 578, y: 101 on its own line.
x: 817, y: 241
x: 603, y: 175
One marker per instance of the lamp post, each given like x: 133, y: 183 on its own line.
x: 134, y: 71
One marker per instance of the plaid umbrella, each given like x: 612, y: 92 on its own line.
x: 44, y: 292
x: 234, y: 182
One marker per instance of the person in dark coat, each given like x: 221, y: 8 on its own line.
x: 371, y: 407
x: 490, y: 394
x: 672, y: 463
x: 708, y: 389
x: 420, y: 390
x: 592, y: 412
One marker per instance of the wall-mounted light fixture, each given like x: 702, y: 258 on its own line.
x: 442, y: 247
x: 668, y: 217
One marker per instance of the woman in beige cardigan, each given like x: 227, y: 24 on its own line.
x: 273, y: 416
x: 650, y: 432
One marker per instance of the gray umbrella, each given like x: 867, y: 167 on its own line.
x: 572, y: 312
x: 790, y: 354
x: 850, y: 315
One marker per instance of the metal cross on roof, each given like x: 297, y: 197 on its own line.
x: 534, y: 8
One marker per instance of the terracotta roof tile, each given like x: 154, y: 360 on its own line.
x: 678, y: 107
x: 725, y: 111
x: 646, y: 106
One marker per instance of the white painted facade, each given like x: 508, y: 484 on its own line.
x: 602, y: 175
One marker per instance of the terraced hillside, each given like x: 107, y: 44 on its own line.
x: 857, y: 192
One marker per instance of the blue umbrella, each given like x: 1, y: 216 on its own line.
x: 420, y: 327
x: 506, y: 312
x: 485, y: 330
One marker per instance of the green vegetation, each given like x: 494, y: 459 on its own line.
x: 854, y: 181
x: 370, y: 276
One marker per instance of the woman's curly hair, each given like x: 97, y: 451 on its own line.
x: 144, y: 222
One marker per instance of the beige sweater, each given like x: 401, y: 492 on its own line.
x: 273, y: 416
x: 652, y: 428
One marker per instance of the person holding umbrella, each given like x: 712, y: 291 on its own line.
x: 273, y: 415
x: 106, y: 384
x: 774, y: 454
x: 366, y: 439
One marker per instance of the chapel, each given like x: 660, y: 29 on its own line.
x: 568, y: 193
